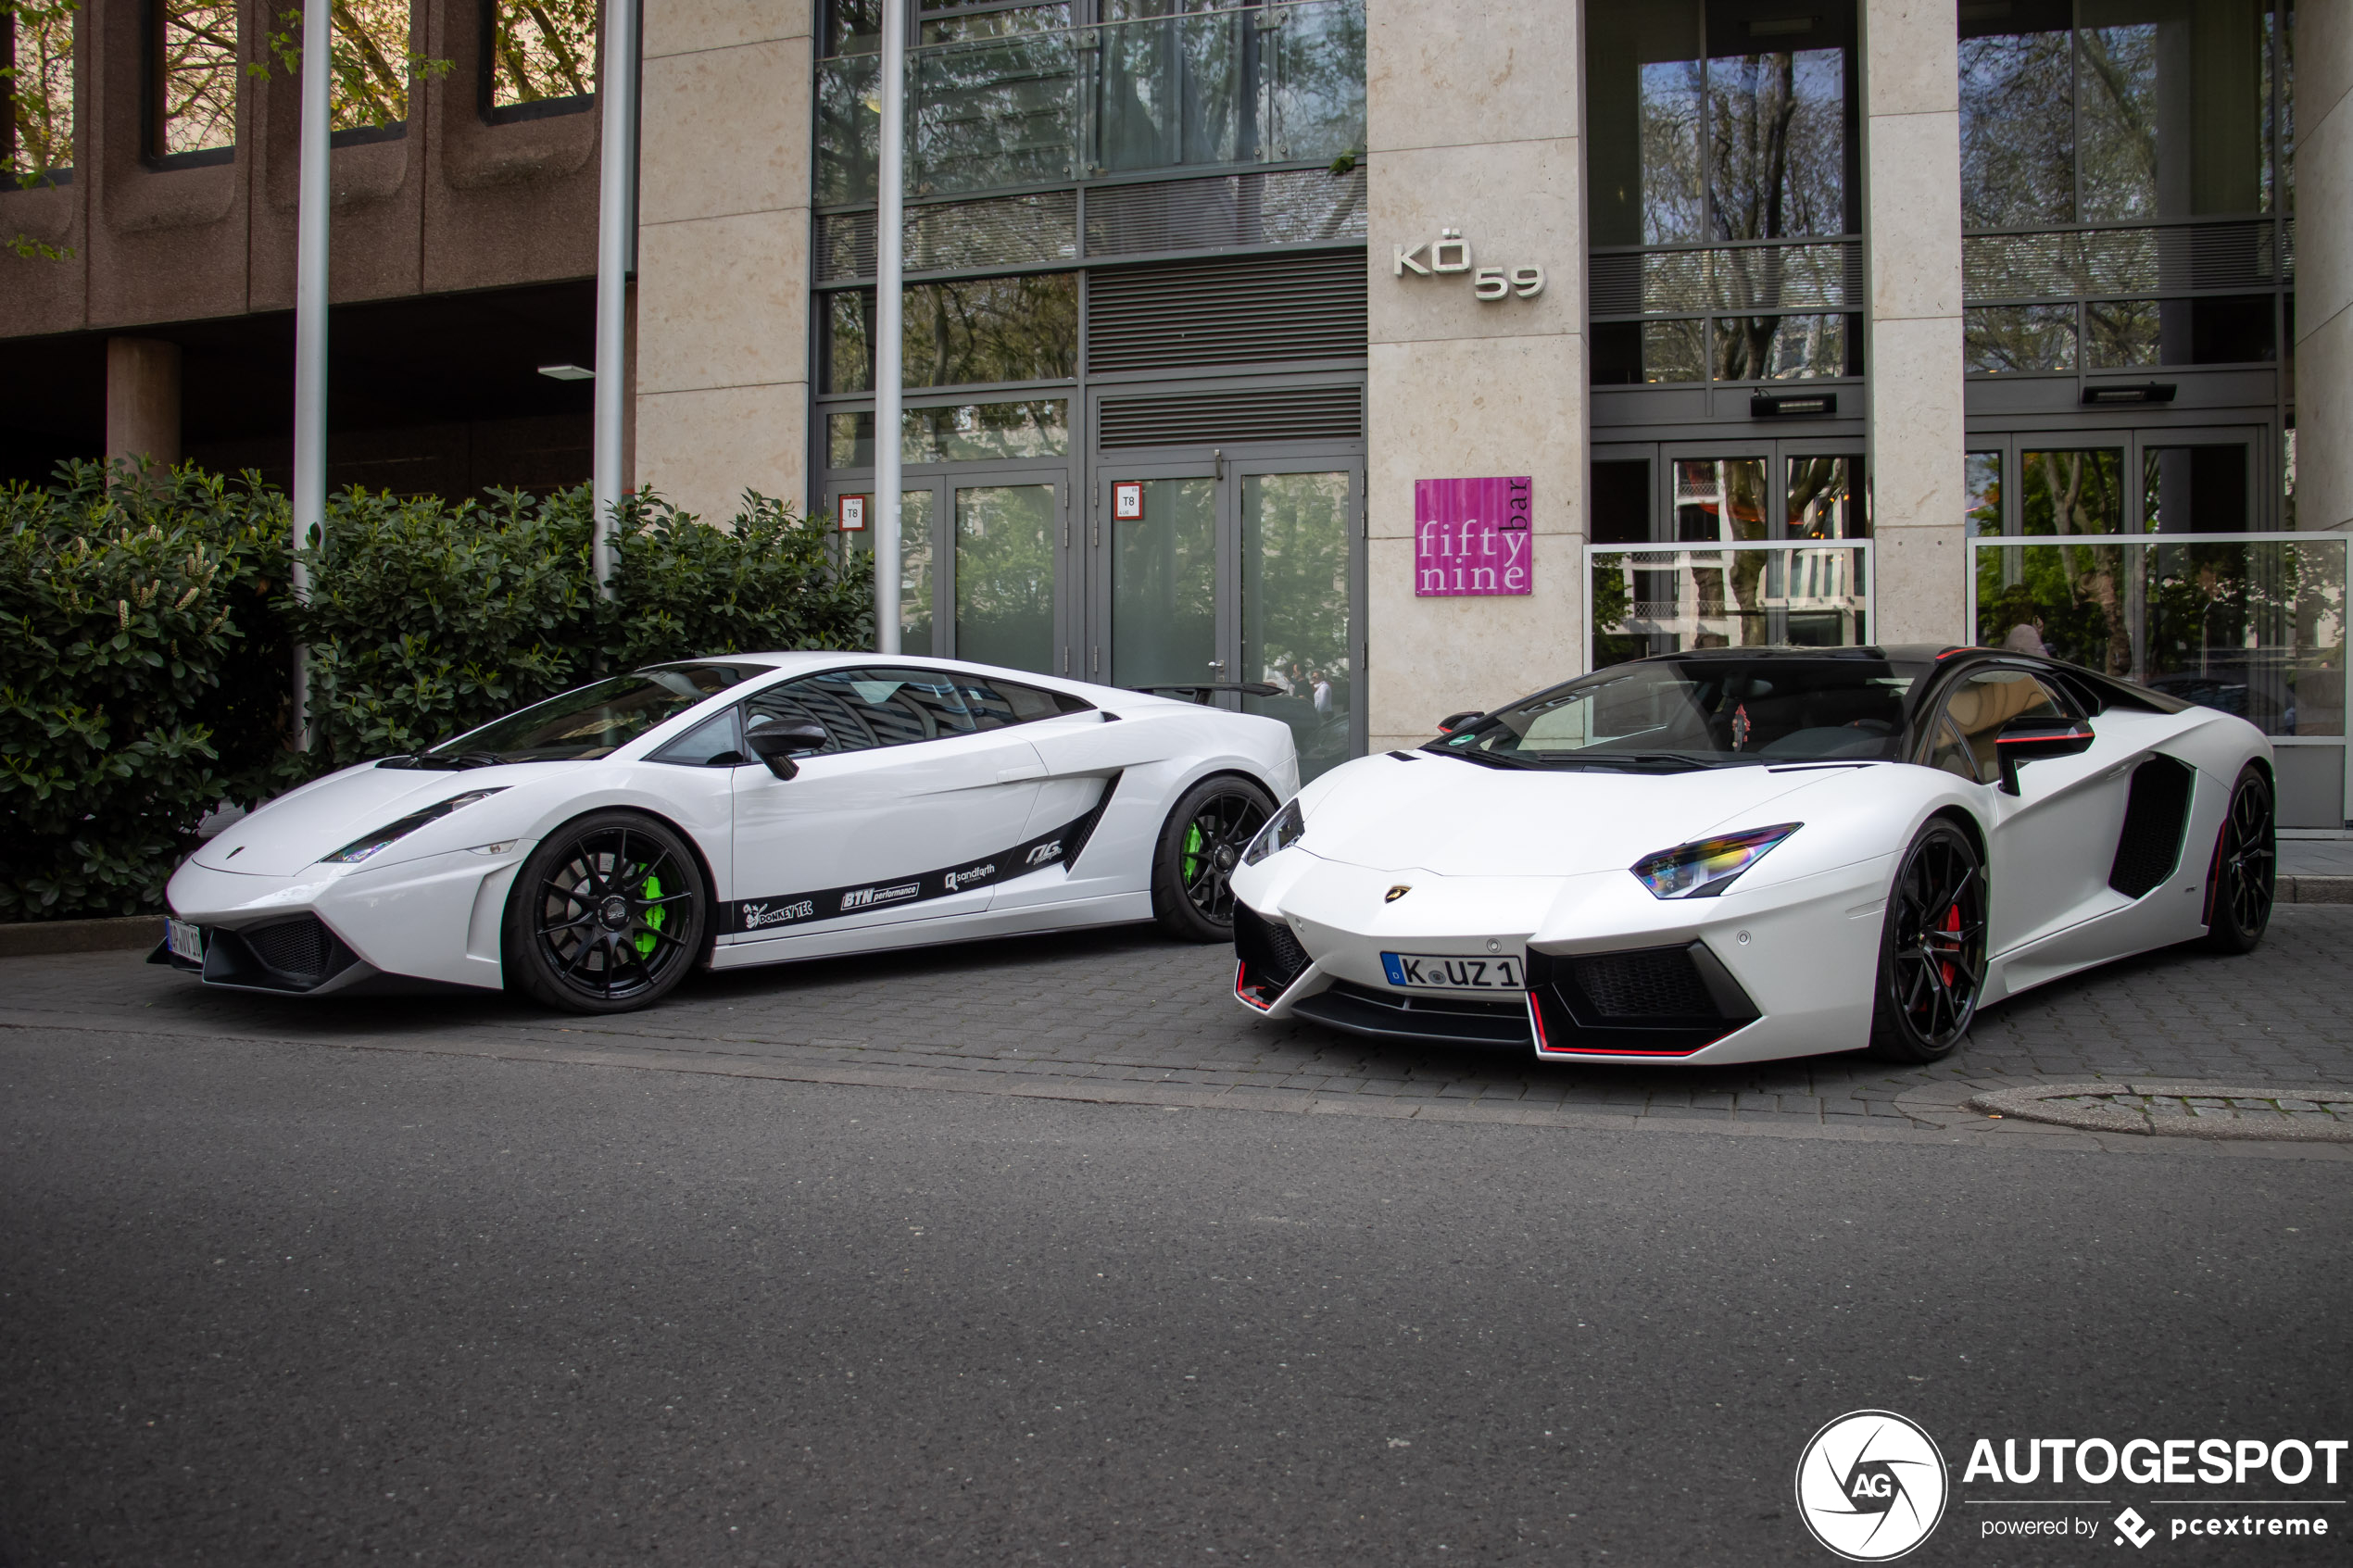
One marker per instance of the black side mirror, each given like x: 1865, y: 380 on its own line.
x: 774, y: 745
x: 2031, y: 739
x: 1454, y: 722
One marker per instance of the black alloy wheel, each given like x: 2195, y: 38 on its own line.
x: 1199, y: 846
x: 2245, y: 868
x: 1932, y: 964
x: 607, y: 914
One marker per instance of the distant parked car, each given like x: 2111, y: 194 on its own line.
x: 1750, y: 853
x: 592, y: 849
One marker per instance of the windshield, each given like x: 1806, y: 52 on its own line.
x: 593, y: 720
x: 1673, y: 714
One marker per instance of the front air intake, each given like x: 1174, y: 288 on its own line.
x: 291, y: 955
x: 1645, y: 1001
x: 1268, y: 958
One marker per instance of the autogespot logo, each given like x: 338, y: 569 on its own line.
x: 1870, y: 1486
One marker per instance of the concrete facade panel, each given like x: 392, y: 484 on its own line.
x: 701, y: 449
x: 1459, y: 73
x: 753, y: 100
x: 724, y: 24
x: 1513, y: 202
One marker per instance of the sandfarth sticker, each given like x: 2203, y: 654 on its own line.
x: 1870, y: 1486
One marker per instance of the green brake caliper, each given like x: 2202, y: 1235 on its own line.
x: 1192, y: 851
x: 654, y: 917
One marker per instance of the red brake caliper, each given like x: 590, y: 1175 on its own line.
x: 1953, y: 923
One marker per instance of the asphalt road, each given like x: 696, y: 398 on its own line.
x: 266, y: 1302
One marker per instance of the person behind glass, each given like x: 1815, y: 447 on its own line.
x: 2027, y: 638
x: 1321, y: 686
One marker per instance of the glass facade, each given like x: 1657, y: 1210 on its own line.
x: 2125, y: 183
x: 1722, y: 135
x: 1063, y: 160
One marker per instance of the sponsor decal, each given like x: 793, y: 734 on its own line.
x: 869, y: 898
x: 1061, y: 846
x: 1870, y: 1486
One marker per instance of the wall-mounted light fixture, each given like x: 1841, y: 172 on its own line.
x: 1773, y: 406
x: 2144, y: 392
x: 567, y: 373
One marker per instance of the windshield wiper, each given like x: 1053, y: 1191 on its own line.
x: 1488, y: 758
x: 434, y: 762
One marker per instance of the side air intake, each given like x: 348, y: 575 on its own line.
x: 2155, y: 816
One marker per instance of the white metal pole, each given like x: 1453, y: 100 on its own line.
x: 311, y: 323
x: 889, y: 264
x: 616, y: 217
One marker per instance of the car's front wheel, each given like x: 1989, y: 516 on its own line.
x: 607, y: 914
x: 1199, y: 846
x: 2244, y: 868
x: 1931, y: 960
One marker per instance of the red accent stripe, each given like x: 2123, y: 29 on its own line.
x: 1240, y: 976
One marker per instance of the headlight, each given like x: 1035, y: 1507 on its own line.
x: 1703, y: 869
x: 1283, y: 829
x: 359, y: 849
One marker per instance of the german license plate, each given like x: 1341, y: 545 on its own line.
x: 187, y: 941
x: 1453, y: 972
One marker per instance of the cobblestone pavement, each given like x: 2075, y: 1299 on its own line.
x: 1125, y: 1015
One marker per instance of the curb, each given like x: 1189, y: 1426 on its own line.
x: 2315, y: 890
x: 24, y: 939
x: 2032, y: 1105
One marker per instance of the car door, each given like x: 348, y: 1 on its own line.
x: 906, y: 813
x: 2054, y: 841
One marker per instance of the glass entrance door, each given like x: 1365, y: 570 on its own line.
x: 1250, y: 576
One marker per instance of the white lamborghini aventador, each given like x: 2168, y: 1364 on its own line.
x: 1744, y: 854
x: 590, y: 850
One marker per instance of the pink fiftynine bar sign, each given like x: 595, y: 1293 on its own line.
x: 1471, y: 536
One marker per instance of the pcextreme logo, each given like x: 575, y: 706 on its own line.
x: 1870, y: 1486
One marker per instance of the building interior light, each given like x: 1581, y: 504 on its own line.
x: 567, y: 373
x: 2144, y: 392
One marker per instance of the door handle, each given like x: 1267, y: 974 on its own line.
x: 1021, y: 770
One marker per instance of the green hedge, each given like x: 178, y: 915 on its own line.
x: 147, y: 630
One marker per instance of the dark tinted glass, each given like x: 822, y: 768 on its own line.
x: 1667, y: 715
x: 1622, y: 503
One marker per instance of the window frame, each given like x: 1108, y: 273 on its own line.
x: 155, y: 98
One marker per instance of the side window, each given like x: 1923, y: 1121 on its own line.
x: 995, y: 704
x: 1988, y: 699
x: 1951, y: 752
x: 712, y: 743
x: 861, y: 710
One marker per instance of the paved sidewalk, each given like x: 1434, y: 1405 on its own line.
x: 1125, y: 1015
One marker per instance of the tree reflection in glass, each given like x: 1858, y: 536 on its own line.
x: 2018, y: 122
x: 1005, y: 575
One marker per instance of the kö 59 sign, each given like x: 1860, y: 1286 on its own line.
x: 1450, y: 254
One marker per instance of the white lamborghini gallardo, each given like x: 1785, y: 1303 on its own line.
x: 592, y: 849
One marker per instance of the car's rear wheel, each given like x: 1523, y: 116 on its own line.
x: 1199, y: 846
x: 2245, y: 865
x: 606, y: 915
x: 1931, y: 960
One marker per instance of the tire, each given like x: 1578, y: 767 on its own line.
x: 1199, y: 846
x: 2245, y: 865
x: 1931, y: 953
x: 607, y: 916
